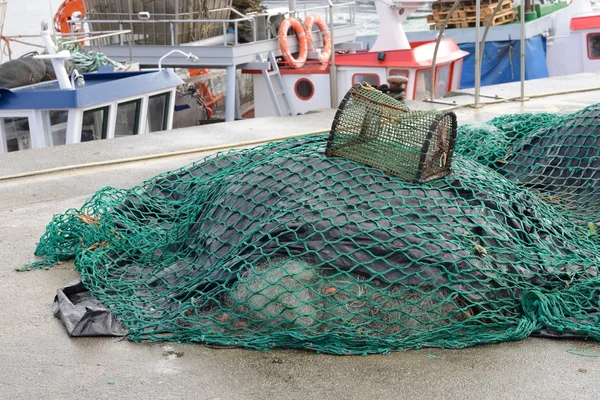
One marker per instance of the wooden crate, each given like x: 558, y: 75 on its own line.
x: 500, y: 19
x: 488, y: 10
x: 465, y: 15
x: 441, y: 15
x: 447, y: 4
x: 451, y: 25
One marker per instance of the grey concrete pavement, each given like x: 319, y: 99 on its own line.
x: 165, y: 142
x: 39, y: 361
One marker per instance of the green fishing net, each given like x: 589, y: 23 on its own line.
x: 282, y: 246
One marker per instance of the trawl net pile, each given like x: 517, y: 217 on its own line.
x: 281, y: 246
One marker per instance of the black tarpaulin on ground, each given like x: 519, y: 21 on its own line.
x: 83, y: 315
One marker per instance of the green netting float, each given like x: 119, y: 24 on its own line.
x: 378, y: 130
x: 283, y: 246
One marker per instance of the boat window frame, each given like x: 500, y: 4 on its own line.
x: 4, y: 135
x: 138, y: 114
x: 449, y: 78
x: 405, y: 71
x: 456, y: 71
x: 104, y: 128
x: 312, y: 87
x: 416, y: 82
x: 165, y: 110
x: 435, y: 81
x: 366, y: 74
x: 587, y: 45
x: 60, y: 125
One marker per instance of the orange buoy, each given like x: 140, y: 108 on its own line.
x: 283, y: 45
x: 64, y: 12
x: 308, y: 24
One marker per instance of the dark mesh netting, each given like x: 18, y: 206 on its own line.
x: 282, y: 246
x: 27, y: 71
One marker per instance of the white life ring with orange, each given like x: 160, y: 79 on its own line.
x: 308, y: 24
x: 283, y: 45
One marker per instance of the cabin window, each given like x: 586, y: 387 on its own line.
x: 398, y: 72
x: 456, y: 74
x: 304, y: 89
x: 94, y: 124
x: 442, y: 80
x: 158, y: 112
x: 371, y: 79
x: 58, y: 127
x: 18, y: 136
x: 423, y: 84
x: 128, y: 118
x: 593, y: 42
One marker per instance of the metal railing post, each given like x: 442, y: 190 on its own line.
x: 523, y: 98
x: 131, y: 47
x: 332, y: 70
x: 437, y: 46
x: 482, y: 45
x: 477, y: 54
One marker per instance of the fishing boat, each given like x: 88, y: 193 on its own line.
x: 323, y: 79
x: 294, y: 67
x: 76, y: 108
x: 560, y: 37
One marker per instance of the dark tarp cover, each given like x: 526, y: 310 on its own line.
x: 83, y: 315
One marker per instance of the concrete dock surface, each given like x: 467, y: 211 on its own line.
x: 39, y: 361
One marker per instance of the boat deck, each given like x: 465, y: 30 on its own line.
x: 40, y: 360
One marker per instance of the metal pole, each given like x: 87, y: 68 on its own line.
x: 332, y: 70
x: 523, y: 98
x: 292, y: 7
x: 485, y: 32
x: 230, y: 94
x: 130, y: 18
x: 177, y: 18
x: 437, y: 45
x: 477, y: 55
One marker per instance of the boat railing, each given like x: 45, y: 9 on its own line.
x: 173, y: 24
x: 322, y: 11
x: 229, y: 28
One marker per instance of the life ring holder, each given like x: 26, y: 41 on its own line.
x: 283, y: 44
x: 308, y: 24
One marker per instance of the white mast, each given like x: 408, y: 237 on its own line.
x: 392, y: 13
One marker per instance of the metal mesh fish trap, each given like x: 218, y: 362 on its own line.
x: 375, y: 129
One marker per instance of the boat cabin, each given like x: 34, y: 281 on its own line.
x: 585, y: 35
x: 106, y: 105
x: 313, y: 84
x: 309, y: 86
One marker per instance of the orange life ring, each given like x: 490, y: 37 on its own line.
x: 63, y: 15
x: 308, y: 24
x: 283, y: 45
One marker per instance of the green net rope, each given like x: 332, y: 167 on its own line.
x: 281, y: 246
